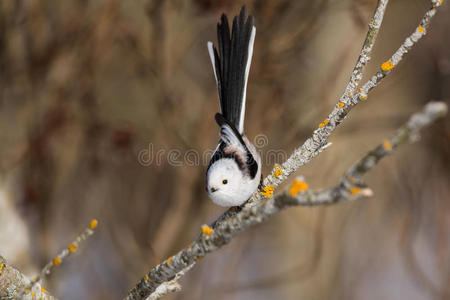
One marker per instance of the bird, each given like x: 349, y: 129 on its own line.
x: 234, y: 169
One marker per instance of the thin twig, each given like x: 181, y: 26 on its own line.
x: 58, y: 259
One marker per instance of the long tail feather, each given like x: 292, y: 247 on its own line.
x: 231, y: 64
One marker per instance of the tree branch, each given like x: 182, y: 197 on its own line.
x: 15, y: 285
x: 12, y: 282
x: 350, y: 187
x: 260, y: 206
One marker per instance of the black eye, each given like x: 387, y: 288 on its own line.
x: 224, y: 181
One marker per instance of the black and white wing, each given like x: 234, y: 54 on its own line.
x: 231, y: 65
x: 233, y: 145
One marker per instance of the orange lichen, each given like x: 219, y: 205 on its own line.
x: 93, y: 224
x: 43, y: 290
x: 267, y: 191
x: 198, y: 258
x: 233, y: 208
x: 169, y: 259
x: 387, y: 145
x: 277, y: 171
x: 355, y: 190
x: 323, y: 123
x: 297, y: 187
x: 436, y: 5
x: 341, y: 104
x: 72, y: 248
x: 206, y: 230
x: 146, y: 278
x: 363, y: 97
x: 386, y: 66
x: 56, y: 261
x: 1, y: 268
x: 420, y: 28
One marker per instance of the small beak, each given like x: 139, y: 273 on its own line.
x: 213, y: 190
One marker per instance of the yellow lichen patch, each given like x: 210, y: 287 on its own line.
x: 32, y: 294
x: 56, y: 261
x: 341, y: 104
x: 1, y: 268
x: 363, y: 97
x: 420, y: 28
x: 323, y: 123
x: 169, y: 259
x: 72, y: 248
x: 297, y: 187
x: 355, y: 190
x: 206, y: 230
x: 146, y: 278
x: 387, y: 145
x: 277, y: 171
x: 349, y: 94
x: 93, y: 224
x: 267, y: 191
x: 43, y: 290
x: 437, y: 4
x: 386, y: 66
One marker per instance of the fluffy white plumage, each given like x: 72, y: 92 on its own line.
x: 239, y: 186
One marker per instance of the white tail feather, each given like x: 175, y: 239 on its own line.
x: 247, y: 70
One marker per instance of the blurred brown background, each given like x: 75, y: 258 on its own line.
x: 92, y: 90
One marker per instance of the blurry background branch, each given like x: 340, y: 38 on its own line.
x: 15, y: 285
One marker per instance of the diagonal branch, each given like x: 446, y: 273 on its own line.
x: 260, y: 206
x: 355, y: 78
x: 15, y: 285
x: 350, y: 187
x: 12, y: 282
x: 318, y: 142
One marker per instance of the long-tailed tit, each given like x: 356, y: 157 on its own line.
x: 234, y: 171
